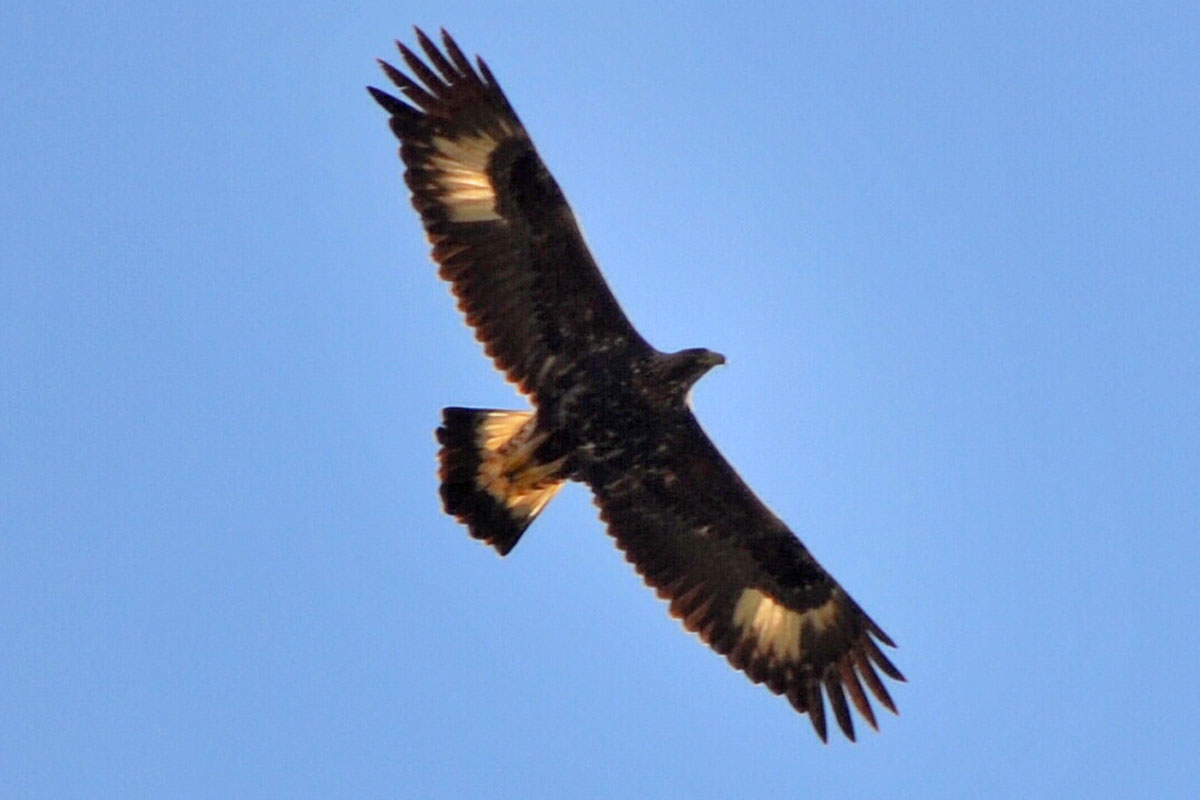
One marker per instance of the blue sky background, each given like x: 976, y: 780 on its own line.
x: 951, y: 251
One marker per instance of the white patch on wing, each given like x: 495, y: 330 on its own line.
x: 777, y: 629
x: 461, y: 179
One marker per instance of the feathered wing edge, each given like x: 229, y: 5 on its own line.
x: 448, y: 130
x: 741, y: 581
x: 502, y: 232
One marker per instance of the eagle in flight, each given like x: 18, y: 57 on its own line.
x: 609, y: 410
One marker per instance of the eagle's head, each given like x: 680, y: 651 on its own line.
x: 676, y: 373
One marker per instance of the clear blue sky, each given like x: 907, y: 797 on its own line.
x: 952, y: 252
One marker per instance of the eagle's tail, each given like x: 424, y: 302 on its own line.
x: 491, y: 479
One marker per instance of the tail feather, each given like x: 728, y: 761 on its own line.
x: 491, y: 479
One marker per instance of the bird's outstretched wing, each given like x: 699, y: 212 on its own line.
x: 735, y: 575
x: 501, y: 230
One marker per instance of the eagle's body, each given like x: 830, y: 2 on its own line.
x: 610, y: 410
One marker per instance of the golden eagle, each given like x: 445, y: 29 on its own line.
x: 610, y: 410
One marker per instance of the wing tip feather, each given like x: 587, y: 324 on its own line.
x: 456, y: 55
x: 837, y: 699
x: 816, y: 710
x: 881, y: 661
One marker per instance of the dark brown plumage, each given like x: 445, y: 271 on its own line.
x: 609, y: 409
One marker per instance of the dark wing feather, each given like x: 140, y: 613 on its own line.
x: 735, y: 575
x: 501, y: 230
